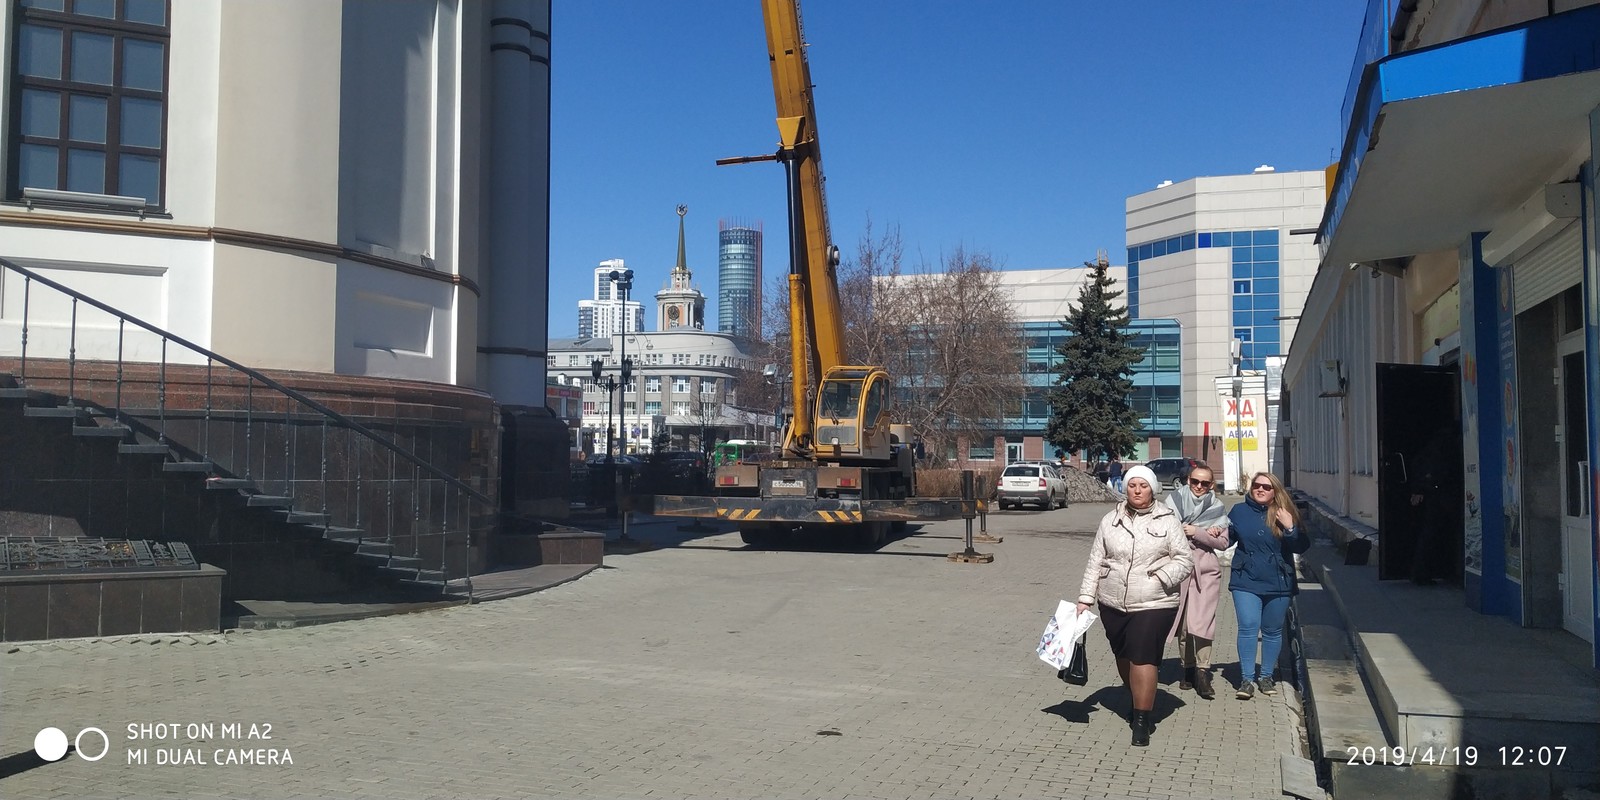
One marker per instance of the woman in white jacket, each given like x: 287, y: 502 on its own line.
x: 1139, y: 560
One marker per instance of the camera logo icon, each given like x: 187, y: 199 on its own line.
x: 51, y: 744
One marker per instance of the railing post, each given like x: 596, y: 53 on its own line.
x: 444, y: 544
x: 205, y: 438
x: 72, y: 357
x: 249, y: 425
x: 122, y: 325
x: 416, y: 512
x: 388, y: 503
x: 27, y: 287
x: 288, y: 451
x: 161, y: 392
x: 326, y: 521
x: 358, y: 459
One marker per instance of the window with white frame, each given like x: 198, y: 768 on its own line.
x: 680, y: 384
x: 652, y: 385
x: 680, y: 409
x: 652, y: 407
x: 708, y: 387
x: 680, y: 358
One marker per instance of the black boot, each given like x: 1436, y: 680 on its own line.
x: 1188, y: 678
x: 1202, y: 684
x: 1141, y: 728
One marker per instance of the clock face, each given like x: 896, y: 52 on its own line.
x: 672, y: 313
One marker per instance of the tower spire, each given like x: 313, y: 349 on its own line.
x: 680, y: 304
x: 683, y: 261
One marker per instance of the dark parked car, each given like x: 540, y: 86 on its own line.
x: 1172, y: 472
x: 680, y: 471
x: 625, y: 463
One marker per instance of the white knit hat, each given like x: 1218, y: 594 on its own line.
x: 1143, y: 472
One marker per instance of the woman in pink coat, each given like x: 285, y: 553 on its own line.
x: 1203, y: 515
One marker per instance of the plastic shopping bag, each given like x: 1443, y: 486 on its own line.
x: 1062, y: 634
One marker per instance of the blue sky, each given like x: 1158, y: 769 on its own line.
x: 1012, y: 128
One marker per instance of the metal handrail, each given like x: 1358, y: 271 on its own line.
x: 255, y: 375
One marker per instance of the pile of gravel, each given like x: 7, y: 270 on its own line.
x: 1083, y: 488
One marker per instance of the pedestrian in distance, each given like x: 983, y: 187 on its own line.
x: 1267, y: 530
x: 1138, y: 560
x: 1114, y: 473
x: 1204, y: 521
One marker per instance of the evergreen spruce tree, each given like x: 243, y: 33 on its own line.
x: 1089, y: 408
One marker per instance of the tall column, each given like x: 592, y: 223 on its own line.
x: 517, y: 275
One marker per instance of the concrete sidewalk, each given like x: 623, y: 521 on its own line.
x: 1440, y: 677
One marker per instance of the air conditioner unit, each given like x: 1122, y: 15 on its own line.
x: 1332, y: 379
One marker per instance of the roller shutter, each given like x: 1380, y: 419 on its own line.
x: 1547, y: 271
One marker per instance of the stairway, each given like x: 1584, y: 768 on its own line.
x: 106, y: 393
x: 101, y: 429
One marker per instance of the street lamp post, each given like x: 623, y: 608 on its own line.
x: 601, y: 380
x: 770, y: 372
x: 623, y: 279
x: 597, y: 369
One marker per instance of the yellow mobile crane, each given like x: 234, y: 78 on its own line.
x: 843, y: 466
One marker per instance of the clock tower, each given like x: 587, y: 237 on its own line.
x: 680, y: 306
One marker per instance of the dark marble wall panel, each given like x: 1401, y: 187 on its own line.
x: 163, y: 600
x: 74, y: 610
x: 121, y: 604
x: 201, y: 604
x: 27, y: 612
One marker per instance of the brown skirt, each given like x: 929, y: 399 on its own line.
x: 1137, y: 636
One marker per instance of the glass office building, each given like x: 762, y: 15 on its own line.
x: 739, y: 280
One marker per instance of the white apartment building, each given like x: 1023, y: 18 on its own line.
x: 608, y: 313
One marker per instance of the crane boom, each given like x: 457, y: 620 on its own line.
x: 817, y: 323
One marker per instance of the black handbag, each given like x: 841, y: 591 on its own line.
x: 1077, y: 671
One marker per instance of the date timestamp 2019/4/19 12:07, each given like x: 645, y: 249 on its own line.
x: 1513, y: 756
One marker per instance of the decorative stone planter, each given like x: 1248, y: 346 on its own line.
x: 110, y: 604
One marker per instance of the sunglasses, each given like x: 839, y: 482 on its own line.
x: 1200, y: 484
x: 1263, y: 486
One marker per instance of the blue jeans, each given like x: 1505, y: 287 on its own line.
x: 1262, y: 615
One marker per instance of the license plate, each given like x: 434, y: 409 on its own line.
x: 787, y: 484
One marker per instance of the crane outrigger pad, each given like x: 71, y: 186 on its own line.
x: 825, y: 510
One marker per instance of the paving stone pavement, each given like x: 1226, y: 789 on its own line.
x: 699, y: 670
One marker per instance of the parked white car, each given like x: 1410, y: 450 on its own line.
x: 1031, y: 482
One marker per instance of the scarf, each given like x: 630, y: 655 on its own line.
x: 1205, y: 511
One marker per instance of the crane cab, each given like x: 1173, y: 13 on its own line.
x: 852, y: 415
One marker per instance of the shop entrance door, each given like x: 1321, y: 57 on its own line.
x: 1577, y: 555
x: 1416, y: 403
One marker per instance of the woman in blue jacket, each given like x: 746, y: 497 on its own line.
x: 1267, y: 530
